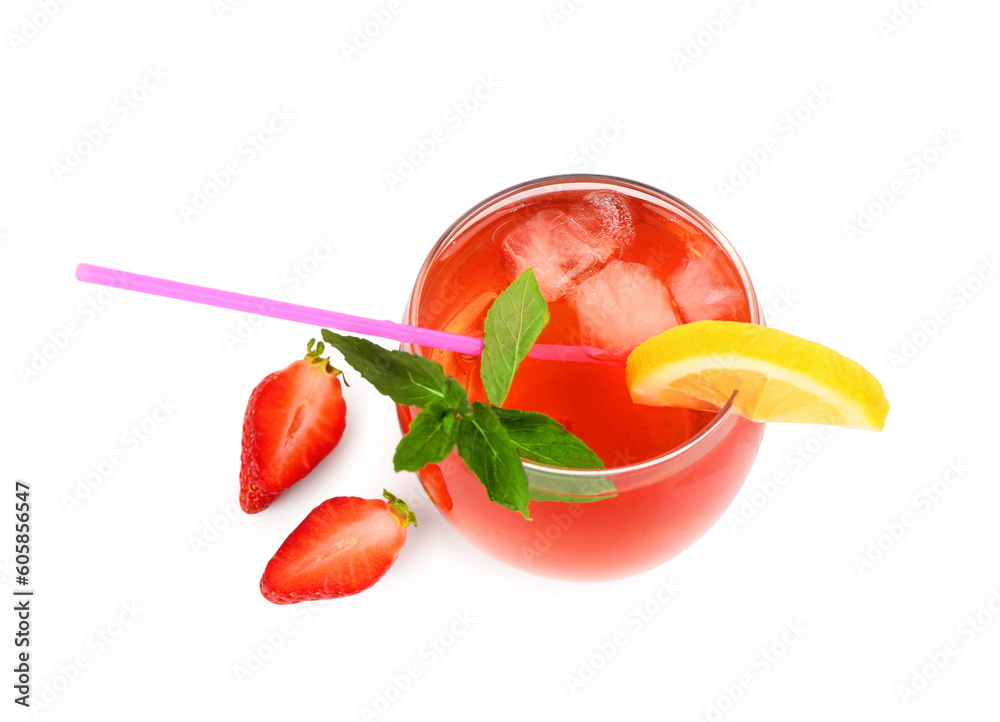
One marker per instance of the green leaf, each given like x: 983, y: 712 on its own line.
x: 541, y: 438
x: 486, y: 448
x: 455, y: 396
x: 432, y: 436
x: 406, y: 378
x: 513, y: 324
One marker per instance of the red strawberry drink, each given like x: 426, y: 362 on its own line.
x: 618, y: 262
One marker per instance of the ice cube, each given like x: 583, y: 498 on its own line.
x: 703, y: 288
x: 607, y: 214
x: 562, y: 245
x: 621, y: 306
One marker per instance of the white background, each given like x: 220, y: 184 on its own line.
x: 158, y: 562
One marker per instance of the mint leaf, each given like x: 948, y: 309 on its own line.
x: 486, y: 448
x: 432, y: 436
x: 406, y: 378
x: 513, y: 323
x: 541, y: 438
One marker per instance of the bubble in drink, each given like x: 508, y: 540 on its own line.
x: 562, y: 245
x: 621, y: 306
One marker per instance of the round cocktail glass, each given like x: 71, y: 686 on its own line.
x: 639, y: 512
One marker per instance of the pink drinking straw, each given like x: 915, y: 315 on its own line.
x: 316, y: 316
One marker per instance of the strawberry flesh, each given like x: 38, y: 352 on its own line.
x: 432, y: 479
x: 342, y: 547
x: 294, y: 418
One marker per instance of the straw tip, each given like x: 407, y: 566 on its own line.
x: 83, y: 271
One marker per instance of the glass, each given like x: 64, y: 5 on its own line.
x: 672, y: 472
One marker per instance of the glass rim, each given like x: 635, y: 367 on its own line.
x: 724, y: 413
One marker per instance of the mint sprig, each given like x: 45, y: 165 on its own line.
x: 490, y: 439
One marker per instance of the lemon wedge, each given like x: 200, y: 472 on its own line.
x: 779, y: 377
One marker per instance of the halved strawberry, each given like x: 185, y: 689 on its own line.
x: 293, y: 420
x: 342, y: 547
